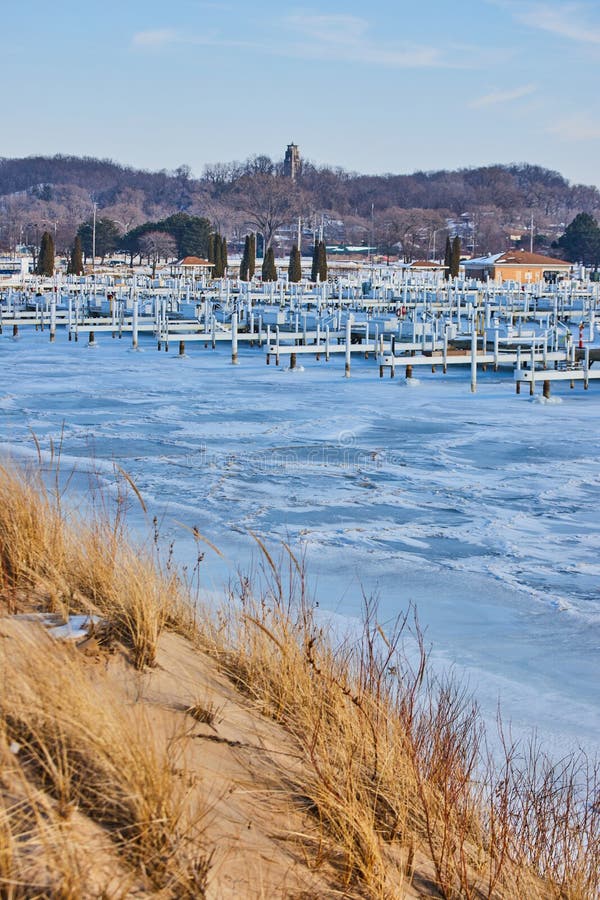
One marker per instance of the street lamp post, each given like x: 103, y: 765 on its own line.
x: 436, y: 231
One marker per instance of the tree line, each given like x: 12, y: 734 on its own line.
x: 580, y: 243
x: 155, y: 216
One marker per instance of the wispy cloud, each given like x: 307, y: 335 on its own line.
x: 574, y: 21
x: 506, y: 96
x: 157, y: 37
x: 326, y: 36
x: 575, y: 129
x: 160, y: 38
x: 345, y: 37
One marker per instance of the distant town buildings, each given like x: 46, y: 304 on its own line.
x: 292, y: 163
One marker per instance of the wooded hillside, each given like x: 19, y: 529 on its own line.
x: 487, y: 205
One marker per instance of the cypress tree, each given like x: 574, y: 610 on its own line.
x: 244, y: 265
x: 314, y: 272
x: 45, y: 264
x: 295, y: 266
x: 455, y: 261
x: 211, y: 247
x: 252, y: 256
x: 224, y: 256
x: 75, y: 266
x: 322, y: 261
x: 447, y: 257
x: 218, y: 258
x: 269, y: 271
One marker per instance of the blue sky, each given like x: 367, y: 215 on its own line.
x: 371, y: 86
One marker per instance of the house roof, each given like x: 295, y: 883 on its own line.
x: 193, y: 261
x: 425, y: 264
x: 523, y: 258
x: 516, y: 258
x: 477, y: 261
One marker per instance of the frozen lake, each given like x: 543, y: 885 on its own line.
x: 483, y: 510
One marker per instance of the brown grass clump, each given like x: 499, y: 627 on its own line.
x: 84, y: 566
x: 400, y: 775
x: 389, y: 763
x: 86, y: 747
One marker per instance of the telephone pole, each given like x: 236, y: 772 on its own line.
x: 94, y: 240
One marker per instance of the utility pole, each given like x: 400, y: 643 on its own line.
x: 94, y: 241
x: 531, y: 234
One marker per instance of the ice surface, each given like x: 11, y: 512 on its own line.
x: 481, y: 509
x: 75, y: 628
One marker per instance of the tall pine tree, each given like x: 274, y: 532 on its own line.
x: 224, y: 256
x: 75, y: 266
x: 211, y: 247
x: 314, y: 272
x: 455, y: 260
x: 252, y: 256
x: 322, y: 262
x: 218, y: 260
x: 269, y: 271
x: 244, y: 265
x: 447, y: 257
x: 295, y: 266
x: 45, y: 263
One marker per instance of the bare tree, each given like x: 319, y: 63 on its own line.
x: 157, y: 245
x: 268, y: 201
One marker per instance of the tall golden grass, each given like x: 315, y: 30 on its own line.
x: 401, y: 775
x: 77, y: 565
x: 394, y: 765
x: 86, y: 745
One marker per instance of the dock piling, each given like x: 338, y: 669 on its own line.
x: 134, y: 325
x: 234, y: 338
x: 348, y: 342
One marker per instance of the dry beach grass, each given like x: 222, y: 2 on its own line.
x: 249, y: 750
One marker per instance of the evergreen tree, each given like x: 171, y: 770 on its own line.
x: 252, y: 256
x: 455, y: 257
x: 447, y: 257
x: 581, y: 240
x: 244, y: 265
x: 295, y: 266
x: 190, y: 232
x: 314, y: 272
x: 269, y: 270
x: 45, y: 263
x: 218, y: 260
x: 224, y: 256
x: 210, y: 253
x: 322, y: 262
x: 108, y: 237
x: 75, y: 266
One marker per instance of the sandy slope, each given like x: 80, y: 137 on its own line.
x: 243, y: 771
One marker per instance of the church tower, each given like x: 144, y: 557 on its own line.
x: 291, y: 162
